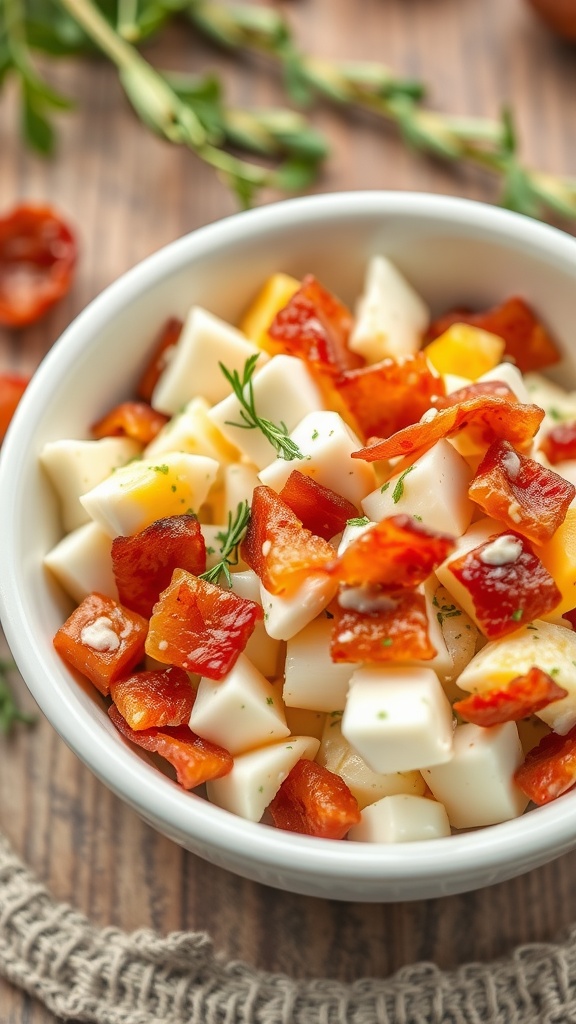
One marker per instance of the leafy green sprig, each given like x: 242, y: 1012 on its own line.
x: 275, y: 433
x: 10, y: 713
x: 229, y: 542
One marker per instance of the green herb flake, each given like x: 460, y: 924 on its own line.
x: 162, y: 469
x: 419, y: 518
x: 315, y: 435
x: 230, y: 540
x: 399, y: 488
x: 359, y: 521
x: 517, y: 615
x: 243, y: 388
x: 384, y: 487
x: 555, y: 671
x: 269, y: 700
x: 381, y: 714
x: 387, y: 642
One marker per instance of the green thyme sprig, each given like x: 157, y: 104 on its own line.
x: 229, y: 542
x: 10, y: 713
x: 275, y: 433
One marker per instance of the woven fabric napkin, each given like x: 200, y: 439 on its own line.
x: 106, y: 976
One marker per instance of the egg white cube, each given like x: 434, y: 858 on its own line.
x: 312, y: 680
x: 138, y: 494
x: 477, y: 786
x: 240, y: 479
x: 257, y: 776
x: 509, y: 374
x: 286, y: 616
x: 240, y: 711
x: 435, y: 491
x: 337, y: 754
x: 82, y: 563
x: 398, y: 718
x: 262, y: 650
x: 350, y: 534
x: 193, y: 368
x: 191, y: 431
x: 401, y: 818
x: 441, y: 663
x: 391, y: 318
x: 540, y: 644
x: 284, y: 393
x: 75, y: 467
x: 327, y: 443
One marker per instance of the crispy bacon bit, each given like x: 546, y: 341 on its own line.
x: 278, y: 548
x: 195, y: 760
x: 505, y: 596
x: 200, y: 627
x: 528, y: 342
x: 102, y: 640
x: 154, y: 699
x: 549, y: 769
x: 395, y: 630
x: 559, y: 444
x: 398, y: 552
x: 521, y: 493
x: 319, y: 509
x: 167, y: 338
x: 481, y: 389
x: 389, y: 396
x: 313, y: 801
x: 492, y: 417
x: 143, y: 564
x: 137, y: 420
x: 520, y: 698
x: 315, y: 326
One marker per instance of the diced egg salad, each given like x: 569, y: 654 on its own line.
x: 323, y: 563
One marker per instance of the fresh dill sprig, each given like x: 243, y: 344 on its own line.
x: 9, y: 711
x: 229, y: 541
x: 359, y: 521
x: 243, y: 388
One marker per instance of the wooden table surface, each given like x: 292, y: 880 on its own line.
x: 129, y: 193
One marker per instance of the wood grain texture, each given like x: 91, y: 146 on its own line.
x: 129, y: 193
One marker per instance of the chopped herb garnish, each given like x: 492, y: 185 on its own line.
x: 315, y: 435
x: 554, y: 414
x: 447, y: 611
x: 229, y: 545
x: 384, y: 487
x: 162, y: 469
x: 419, y: 518
x: 243, y: 388
x: 517, y: 615
x: 381, y: 714
x: 173, y: 488
x: 269, y: 700
x: 399, y: 488
x: 359, y: 521
x: 210, y: 551
x: 9, y: 711
x: 555, y: 671
x: 535, y: 628
x: 387, y: 642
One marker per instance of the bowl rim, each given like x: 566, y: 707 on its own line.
x: 489, y: 848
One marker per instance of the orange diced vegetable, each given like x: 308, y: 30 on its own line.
x: 136, y: 420
x: 319, y: 509
x: 548, y: 769
x: 520, y: 698
x: 394, y: 629
x: 168, y: 337
x: 194, y: 759
x: 200, y: 627
x: 314, y: 801
x: 315, y: 326
x: 154, y: 699
x: 102, y: 640
x: 143, y: 564
x: 397, y: 552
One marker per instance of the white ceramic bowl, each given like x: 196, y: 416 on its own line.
x: 454, y: 252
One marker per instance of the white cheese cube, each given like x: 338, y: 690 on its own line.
x: 193, y: 368
x: 477, y: 786
x: 240, y: 711
x: 367, y: 786
x: 401, y: 819
x: 351, y: 533
x: 312, y: 679
x: 262, y: 650
x: 434, y: 490
x: 391, y: 318
x: 540, y: 644
x: 284, y: 392
x: 286, y: 616
x: 74, y: 467
x: 82, y: 563
x: 240, y: 479
x: 191, y: 431
x: 213, y: 537
x: 398, y: 718
x: 453, y: 382
x: 475, y: 535
x: 326, y: 443
x: 257, y: 776
x: 510, y: 375
x: 441, y: 663
x: 138, y: 494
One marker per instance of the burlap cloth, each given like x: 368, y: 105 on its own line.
x: 82, y: 973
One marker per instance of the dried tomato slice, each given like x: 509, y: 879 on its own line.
x: 548, y: 769
x: 397, y: 552
x: 200, y: 627
x: 559, y: 444
x: 313, y: 801
x: 154, y: 699
x: 167, y: 338
x: 528, y: 342
x: 143, y: 563
x: 521, y: 697
x: 12, y: 387
x: 137, y: 420
x: 388, y: 396
x: 505, y: 596
x: 278, y: 548
x: 195, y: 760
x: 37, y: 257
x: 492, y: 417
x: 395, y: 630
x: 319, y: 509
x: 315, y: 326
x: 521, y: 493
